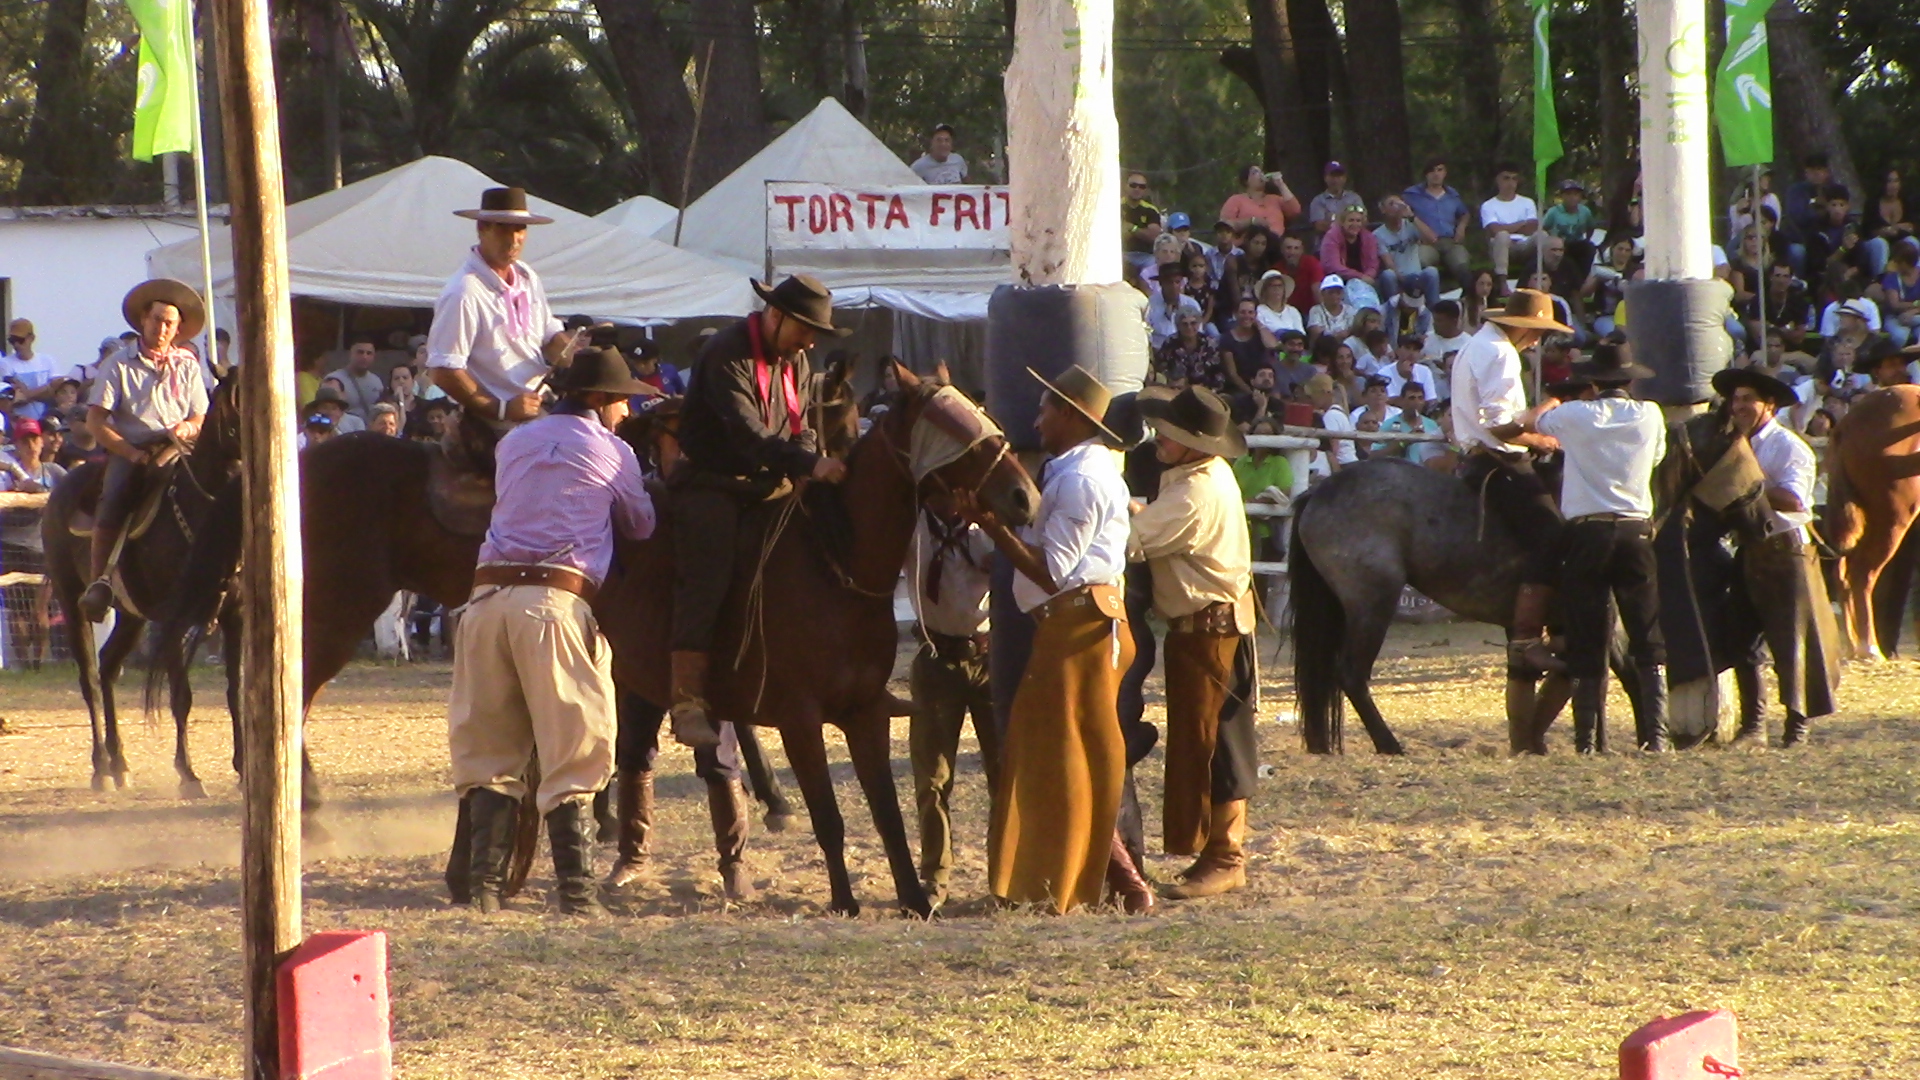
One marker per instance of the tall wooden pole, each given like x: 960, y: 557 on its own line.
x: 271, y: 569
x: 1064, y: 144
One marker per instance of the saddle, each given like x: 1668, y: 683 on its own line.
x: 155, y: 481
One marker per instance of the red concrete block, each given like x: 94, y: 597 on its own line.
x: 333, y: 1009
x: 1701, y: 1045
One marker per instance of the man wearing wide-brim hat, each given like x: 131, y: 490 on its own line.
x: 1194, y: 537
x: 744, y: 434
x: 143, y: 399
x: 1885, y: 363
x: 1611, y: 444
x: 493, y: 337
x: 1779, y: 603
x: 1489, y: 403
x: 1052, y: 835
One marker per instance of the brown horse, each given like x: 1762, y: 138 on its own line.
x: 807, y: 637
x: 1873, y: 496
x: 149, y: 569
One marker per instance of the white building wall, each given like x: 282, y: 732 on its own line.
x: 69, y: 273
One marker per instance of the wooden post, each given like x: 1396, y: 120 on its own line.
x: 271, y: 568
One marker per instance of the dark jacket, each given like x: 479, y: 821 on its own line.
x: 725, y: 428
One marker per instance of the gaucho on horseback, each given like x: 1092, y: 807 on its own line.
x: 744, y: 434
x: 145, y: 403
x: 1489, y: 403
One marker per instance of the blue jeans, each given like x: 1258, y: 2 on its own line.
x: 1876, y: 249
x: 1797, y: 258
x: 1425, y: 284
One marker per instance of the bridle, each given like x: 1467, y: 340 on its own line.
x: 954, y: 427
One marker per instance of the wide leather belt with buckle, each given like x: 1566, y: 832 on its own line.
x: 1605, y: 517
x: 955, y: 648
x: 1104, y: 597
x: 553, y: 577
x: 1215, y: 618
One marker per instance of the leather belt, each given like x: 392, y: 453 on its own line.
x: 1215, y: 618
x: 553, y: 577
x: 1605, y: 517
x: 1104, y: 597
x: 956, y: 648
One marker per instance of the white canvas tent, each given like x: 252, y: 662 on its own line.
x: 642, y: 214
x: 830, y: 146
x: 392, y: 240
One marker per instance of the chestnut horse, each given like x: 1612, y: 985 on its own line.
x: 807, y: 637
x: 1873, y: 495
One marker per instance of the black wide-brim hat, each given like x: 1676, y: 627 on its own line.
x: 1727, y: 380
x: 599, y: 371
x: 1198, y: 419
x: 803, y: 297
x: 1870, y: 355
x: 505, y: 205
x: 1607, y: 368
x: 193, y: 312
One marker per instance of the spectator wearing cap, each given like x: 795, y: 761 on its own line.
x: 1329, y: 208
x: 1401, y: 273
x: 940, y: 165
x: 1441, y: 216
x: 330, y: 402
x: 1350, y: 251
x: 29, y: 372
x: 1332, y: 316
x: 1573, y: 221
x: 317, y: 429
x: 647, y: 366
x: 1180, y: 225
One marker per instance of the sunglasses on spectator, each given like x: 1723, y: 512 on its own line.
x: 14, y: 340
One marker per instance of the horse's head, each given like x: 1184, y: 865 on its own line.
x: 835, y: 413
x: 219, y: 440
x: 950, y: 444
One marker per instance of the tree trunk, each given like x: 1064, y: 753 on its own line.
x: 1064, y: 145
x: 1618, y: 116
x: 1479, y: 75
x: 1804, y: 116
x: 656, y: 92
x: 733, y: 126
x: 1379, y: 140
x: 1274, y: 74
x: 52, y: 166
x: 1322, y: 77
x: 854, y: 96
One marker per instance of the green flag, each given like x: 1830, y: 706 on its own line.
x: 164, y: 104
x: 1546, y: 123
x: 1743, y: 87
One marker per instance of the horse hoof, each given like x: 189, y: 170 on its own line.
x: 778, y: 822
x: 120, y: 780
x: 850, y: 909
x: 192, y: 789
x: 99, y: 781
x: 312, y: 832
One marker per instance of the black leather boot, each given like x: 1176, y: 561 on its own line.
x: 491, y: 818
x: 1650, y: 722
x: 570, y: 828
x: 1796, y: 731
x: 1589, y: 715
x: 1753, y: 718
x: 727, y: 806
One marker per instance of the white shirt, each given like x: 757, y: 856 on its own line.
x: 1830, y: 317
x: 951, y: 171
x: 361, y: 391
x: 1486, y: 389
x: 1165, y: 322
x: 1438, y: 347
x: 1787, y: 461
x: 33, y: 374
x: 961, y: 610
x: 1344, y: 450
x: 1422, y: 375
x: 1287, y: 318
x: 470, y: 329
x: 1611, y: 445
x: 1081, y: 528
x: 1515, y: 211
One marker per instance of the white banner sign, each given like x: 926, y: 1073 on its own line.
x: 826, y: 217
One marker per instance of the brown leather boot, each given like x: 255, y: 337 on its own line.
x: 1528, y: 645
x: 634, y: 794
x: 727, y: 805
x: 1223, y: 865
x: 692, y: 726
x: 1129, y: 889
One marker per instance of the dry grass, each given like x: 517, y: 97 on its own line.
x: 1456, y: 915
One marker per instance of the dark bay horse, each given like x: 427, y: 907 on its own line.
x: 149, y: 575
x: 1873, y: 496
x: 807, y: 637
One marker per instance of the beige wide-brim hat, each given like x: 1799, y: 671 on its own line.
x: 1530, y: 309
x: 1090, y: 397
x: 506, y: 206
x: 193, y: 313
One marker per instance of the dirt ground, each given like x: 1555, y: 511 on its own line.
x: 1456, y: 914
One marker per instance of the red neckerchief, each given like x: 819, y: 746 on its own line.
x: 763, y: 377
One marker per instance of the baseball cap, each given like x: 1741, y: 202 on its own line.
x: 23, y: 428
x: 319, y: 422
x: 1334, y: 167
x: 1573, y: 185
x: 1380, y: 381
x: 1332, y: 281
x: 1179, y: 220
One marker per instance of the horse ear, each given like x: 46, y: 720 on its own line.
x: 905, y: 376
x: 834, y: 386
x: 941, y: 375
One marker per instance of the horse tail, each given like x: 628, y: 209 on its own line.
x: 1313, y: 605
x: 199, y: 591
x: 1846, y: 520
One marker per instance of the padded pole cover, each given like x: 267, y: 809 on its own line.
x: 1678, y: 328
x: 1050, y: 328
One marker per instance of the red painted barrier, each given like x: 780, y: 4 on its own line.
x: 333, y: 1009
x: 1701, y: 1045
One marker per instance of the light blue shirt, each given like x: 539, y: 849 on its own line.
x: 1082, y: 526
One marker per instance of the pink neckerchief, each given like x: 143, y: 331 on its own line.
x: 763, y: 378
x: 517, y: 298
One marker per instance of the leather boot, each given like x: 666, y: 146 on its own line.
x: 1129, y: 889
x: 459, y: 859
x: 634, y: 794
x: 1528, y: 645
x: 491, y: 818
x: 1521, y: 703
x: 1650, y: 723
x: 1796, y: 731
x: 98, y: 599
x: 1550, y: 699
x: 1753, y: 716
x: 1589, y: 714
x: 570, y: 834
x: 1223, y: 865
x: 606, y: 819
x: 727, y: 805
x: 692, y: 726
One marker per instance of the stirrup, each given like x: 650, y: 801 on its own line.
x: 691, y: 725
x: 1533, y: 653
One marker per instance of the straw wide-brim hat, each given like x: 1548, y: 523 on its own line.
x: 803, y: 297
x: 1198, y: 419
x: 1088, y: 395
x: 1727, y: 380
x: 193, y: 313
x: 1530, y: 309
x: 507, y: 206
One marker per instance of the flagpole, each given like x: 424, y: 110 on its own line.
x: 1764, y: 271
x: 212, y: 346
